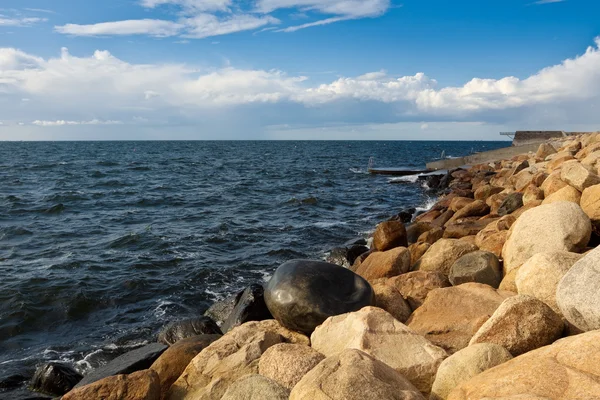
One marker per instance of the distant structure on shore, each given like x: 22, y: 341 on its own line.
x: 521, y: 138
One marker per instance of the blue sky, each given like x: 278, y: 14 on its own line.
x: 296, y: 69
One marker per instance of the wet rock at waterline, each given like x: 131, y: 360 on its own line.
x: 250, y: 307
x: 304, y: 293
x: 179, y: 330
x: 220, y: 310
x: 55, y: 379
x: 127, y: 363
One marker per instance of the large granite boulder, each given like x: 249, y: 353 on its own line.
x: 476, y: 208
x: 492, y: 241
x: 578, y: 175
x: 287, y: 363
x: 478, y: 266
x: 545, y: 150
x: 578, y: 294
x: 179, y: 330
x: 214, y: 369
x: 414, y: 286
x: 250, y: 307
x: 127, y: 363
x: 450, y: 317
x: 540, y: 275
x: 521, y: 324
x: 256, y: 387
x: 442, y: 254
x: 389, y: 234
x: 385, y: 264
x: 354, y: 375
x: 553, y: 183
x: 171, y: 364
x: 303, y: 293
x: 565, y: 370
x: 550, y: 227
x: 465, y: 364
x: 55, y: 378
x: 379, y: 334
x: 141, y: 385
x: 389, y: 298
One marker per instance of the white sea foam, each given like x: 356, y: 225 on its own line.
x: 407, y: 179
x: 358, y: 171
x: 329, y: 224
x: 427, y: 205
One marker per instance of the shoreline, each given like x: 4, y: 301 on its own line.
x: 453, y: 281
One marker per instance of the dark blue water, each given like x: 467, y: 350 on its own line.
x: 102, y: 243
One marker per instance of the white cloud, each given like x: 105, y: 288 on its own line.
x: 65, y: 123
x: 207, y: 25
x: 191, y: 5
x: 101, y: 87
x: 40, y: 10
x: 19, y: 22
x: 152, y: 27
x: 540, y: 2
x: 356, y: 8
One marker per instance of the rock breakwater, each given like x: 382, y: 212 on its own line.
x: 490, y: 294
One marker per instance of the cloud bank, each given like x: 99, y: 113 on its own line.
x: 103, y: 89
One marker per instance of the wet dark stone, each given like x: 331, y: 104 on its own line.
x: 404, y: 216
x: 12, y: 381
x: 354, y: 252
x: 345, y: 256
x: 354, y: 242
x: 220, y: 310
x: 132, y: 361
x: 178, y: 330
x: 304, y: 293
x: 55, y: 379
x: 250, y: 307
x: 433, y: 181
x: 512, y: 203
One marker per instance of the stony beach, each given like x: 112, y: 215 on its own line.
x: 490, y: 294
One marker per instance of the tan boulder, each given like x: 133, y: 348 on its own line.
x: 141, y: 385
x: 557, y: 226
x: 565, y: 370
x: 428, y: 216
x: 450, y: 317
x: 236, y: 354
x: 491, y: 241
x: 553, y: 183
x: 442, y: 254
x: 443, y: 218
x: 287, y: 363
x: 485, y: 191
x: 508, y: 282
x: 377, y: 333
x: 256, y: 387
x: 590, y: 203
x: 388, y: 235
x: 495, y: 201
x: 568, y: 193
x: 414, y: 286
x: 465, y: 364
x: 354, y: 375
x: 431, y: 236
x: 288, y: 336
x: 578, y: 175
x: 523, y: 179
x: 458, y: 203
x: 521, y: 324
x: 540, y: 275
x: 387, y: 297
x: 171, y: 364
x: 416, y: 251
x: 591, y: 160
x: 532, y: 193
x: 545, y: 150
x: 558, y: 161
x: 540, y: 176
x: 476, y: 208
x: 385, y: 264
x: 464, y: 227
x: 478, y: 266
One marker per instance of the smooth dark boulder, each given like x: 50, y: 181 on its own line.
x: 404, y: 216
x: 179, y: 330
x: 304, y: 293
x: 512, y: 203
x: 55, y: 379
x: 132, y: 361
x: 250, y: 307
x: 220, y: 310
x: 355, y: 242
